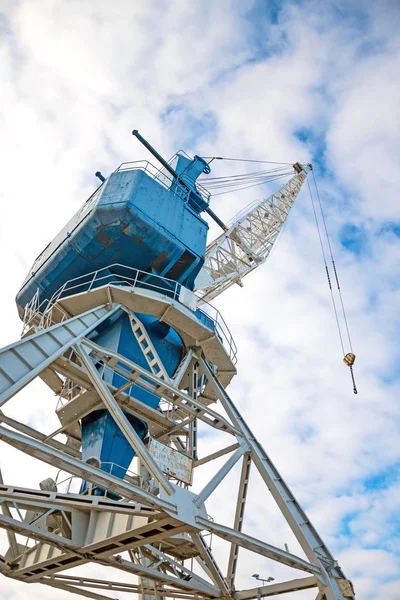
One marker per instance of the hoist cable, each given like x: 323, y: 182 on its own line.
x: 326, y: 266
x: 232, y: 180
x: 251, y: 174
x: 333, y: 262
x: 265, y: 162
x: 243, y: 179
x: 247, y: 186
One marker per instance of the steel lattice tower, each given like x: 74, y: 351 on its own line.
x: 139, y: 361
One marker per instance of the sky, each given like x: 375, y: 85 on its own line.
x: 282, y: 81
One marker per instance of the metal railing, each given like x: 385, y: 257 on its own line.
x: 121, y: 275
x: 72, y: 483
x: 165, y: 178
x: 118, y: 274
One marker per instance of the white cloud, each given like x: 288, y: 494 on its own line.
x: 77, y: 77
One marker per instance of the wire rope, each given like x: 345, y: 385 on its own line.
x: 244, y: 181
x: 265, y: 162
x: 326, y: 265
x: 348, y: 358
x: 237, y: 189
x: 333, y: 262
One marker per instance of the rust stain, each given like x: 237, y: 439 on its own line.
x: 159, y: 259
x: 103, y: 238
x: 137, y: 239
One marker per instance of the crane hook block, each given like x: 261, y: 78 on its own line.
x: 349, y: 359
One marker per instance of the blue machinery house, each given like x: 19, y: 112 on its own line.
x: 141, y: 222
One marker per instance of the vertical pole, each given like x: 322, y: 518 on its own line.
x: 239, y: 516
x: 193, y: 392
x: 12, y: 540
x: 145, y: 476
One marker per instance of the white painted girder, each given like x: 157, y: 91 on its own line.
x: 186, y: 510
x: 81, y: 469
x: 25, y: 359
x: 248, y: 241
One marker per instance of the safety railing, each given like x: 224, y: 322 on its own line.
x: 31, y: 310
x: 167, y: 180
x: 121, y: 275
x: 72, y: 483
x: 118, y: 274
x: 43, y: 314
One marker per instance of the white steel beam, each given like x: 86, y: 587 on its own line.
x: 306, y: 534
x: 12, y: 540
x: 37, y: 435
x: 210, y: 563
x: 207, y: 589
x: 28, y: 499
x: 23, y: 360
x: 100, y: 584
x: 5, y: 566
x: 214, y: 455
x: 185, y: 573
x: 148, y: 381
x: 83, y: 470
x: 219, y: 476
x: 129, y: 403
x: 74, y: 590
x: 37, y: 533
x: 182, y: 368
x: 118, y: 586
x: 259, y: 547
x: 239, y: 516
x: 276, y: 589
x: 122, y: 422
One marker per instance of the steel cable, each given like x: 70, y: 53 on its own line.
x: 333, y: 262
x: 326, y: 265
x: 249, y: 160
x: 329, y: 281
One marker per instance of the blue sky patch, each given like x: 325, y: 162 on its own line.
x: 187, y: 126
x: 391, y: 227
x: 383, y: 479
x: 354, y: 238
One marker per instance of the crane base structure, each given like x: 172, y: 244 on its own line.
x: 151, y: 524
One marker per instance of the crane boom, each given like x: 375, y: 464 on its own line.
x: 248, y: 240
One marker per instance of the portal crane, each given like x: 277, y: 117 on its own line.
x: 116, y: 325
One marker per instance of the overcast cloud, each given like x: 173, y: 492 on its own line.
x: 282, y: 81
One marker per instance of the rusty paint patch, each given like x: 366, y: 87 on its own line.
x: 137, y: 239
x: 103, y: 238
x: 159, y: 259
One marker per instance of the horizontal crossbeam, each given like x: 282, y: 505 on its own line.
x: 82, y: 469
x: 26, y: 499
x: 162, y: 389
x: 276, y: 589
x: 254, y: 545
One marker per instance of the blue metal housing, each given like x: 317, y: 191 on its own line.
x: 152, y: 224
x: 145, y: 221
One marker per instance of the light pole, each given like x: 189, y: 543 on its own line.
x: 267, y: 580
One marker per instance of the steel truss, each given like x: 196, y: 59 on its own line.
x: 158, y: 526
x: 248, y: 240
